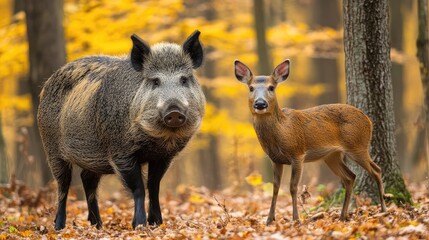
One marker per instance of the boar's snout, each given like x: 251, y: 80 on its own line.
x: 174, y: 119
x: 174, y: 116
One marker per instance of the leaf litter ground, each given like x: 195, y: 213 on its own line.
x: 197, y: 213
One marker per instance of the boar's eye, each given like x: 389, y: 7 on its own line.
x: 155, y: 82
x: 251, y: 88
x: 183, y: 80
x: 271, y: 88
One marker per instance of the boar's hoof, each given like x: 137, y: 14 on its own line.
x: 60, y: 225
x: 154, y: 220
x: 137, y: 222
x: 174, y: 119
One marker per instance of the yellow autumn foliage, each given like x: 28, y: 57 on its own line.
x: 105, y: 26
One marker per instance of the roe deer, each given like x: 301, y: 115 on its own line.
x: 292, y: 137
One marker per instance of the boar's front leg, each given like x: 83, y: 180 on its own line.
x: 90, y: 182
x: 157, y: 169
x: 129, y: 170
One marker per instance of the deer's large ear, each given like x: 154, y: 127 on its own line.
x: 281, y: 72
x: 242, y: 72
x: 192, y: 46
x: 139, y: 52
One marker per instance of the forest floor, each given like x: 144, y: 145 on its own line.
x: 197, y: 213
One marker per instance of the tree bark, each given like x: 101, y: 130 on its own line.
x: 422, y: 55
x: 264, y: 63
x: 46, y: 54
x: 369, y: 87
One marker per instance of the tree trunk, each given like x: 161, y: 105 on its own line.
x: 277, y: 12
x: 325, y: 14
x: 18, y: 6
x: 264, y: 63
x: 209, y: 157
x: 325, y: 70
x: 4, y: 169
x: 422, y: 55
x: 46, y: 54
x: 397, y: 39
x: 369, y: 87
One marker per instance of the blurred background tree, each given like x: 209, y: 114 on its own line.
x: 4, y: 168
x: 226, y: 150
x: 423, y: 56
x: 46, y: 53
x: 208, y: 158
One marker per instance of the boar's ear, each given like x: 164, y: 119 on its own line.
x: 139, y: 52
x: 192, y: 46
x: 281, y: 72
x: 242, y: 72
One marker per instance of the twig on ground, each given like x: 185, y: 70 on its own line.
x: 223, y: 221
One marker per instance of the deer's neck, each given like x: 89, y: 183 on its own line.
x: 269, y: 128
x: 267, y: 125
x: 274, y: 117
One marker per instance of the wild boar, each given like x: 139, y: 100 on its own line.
x: 110, y: 115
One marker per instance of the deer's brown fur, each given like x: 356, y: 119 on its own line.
x: 292, y: 137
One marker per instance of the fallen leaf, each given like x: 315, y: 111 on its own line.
x: 318, y: 216
x: 411, y: 229
x: 255, y: 179
x: 12, y: 229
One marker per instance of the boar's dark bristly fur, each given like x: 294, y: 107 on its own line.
x: 112, y: 114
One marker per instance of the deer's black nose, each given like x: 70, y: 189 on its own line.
x: 260, y: 104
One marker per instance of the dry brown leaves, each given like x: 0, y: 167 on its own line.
x: 197, y: 213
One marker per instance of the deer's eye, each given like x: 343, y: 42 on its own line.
x: 251, y: 88
x: 271, y: 88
